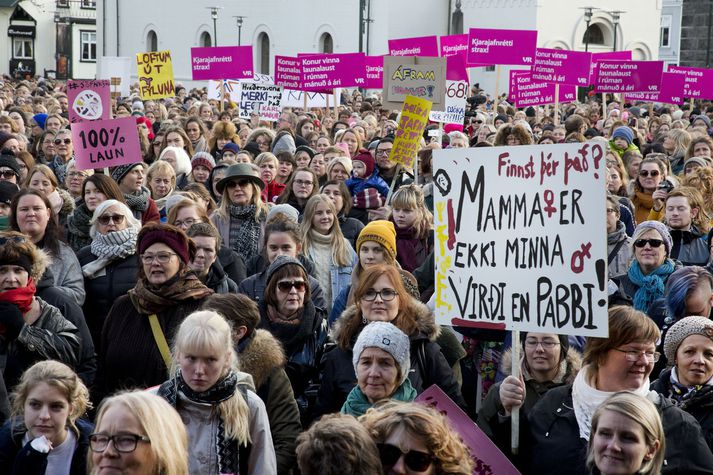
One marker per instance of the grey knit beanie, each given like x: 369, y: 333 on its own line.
x: 288, y: 211
x: 119, y: 172
x: 387, y: 337
x: 661, y: 229
x: 683, y: 328
x: 279, y: 262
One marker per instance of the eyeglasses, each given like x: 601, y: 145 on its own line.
x: 240, y: 183
x: 612, y: 163
x: 546, y: 344
x: 303, y: 183
x: 632, y: 356
x: 651, y: 242
x: 7, y: 174
x: 611, y: 210
x: 76, y: 175
x: 161, y: 257
x: 383, y: 151
x: 653, y: 173
x: 387, y: 295
x: 124, y: 443
x: 59, y: 141
x: 286, y: 285
x: 414, y: 459
x: 186, y: 222
x: 107, y: 218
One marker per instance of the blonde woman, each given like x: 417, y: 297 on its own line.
x: 414, y: 227
x: 161, y: 181
x: 676, y: 143
x: 226, y: 421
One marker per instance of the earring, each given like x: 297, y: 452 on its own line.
x: 363, y: 320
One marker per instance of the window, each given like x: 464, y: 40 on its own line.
x: 89, y: 45
x: 151, y: 41
x: 89, y: 3
x: 490, y: 68
x: 326, y: 43
x: 22, y: 48
x: 264, y: 42
x: 205, y: 39
x: 666, y: 31
x: 63, y: 3
x: 594, y: 35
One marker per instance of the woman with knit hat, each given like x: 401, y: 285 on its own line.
x: 202, y: 164
x: 688, y: 347
x: 137, y: 332
x: 130, y: 179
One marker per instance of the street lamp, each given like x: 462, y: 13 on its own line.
x: 588, y: 11
x: 214, y: 16
x: 239, y: 20
x: 616, y: 15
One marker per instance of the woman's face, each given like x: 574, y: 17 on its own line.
x: 284, y: 170
x: 118, y: 420
x: 240, y: 191
x: 650, y: 176
x: 158, y: 272
x: 268, y: 170
x: 12, y: 145
x: 377, y: 374
x: 174, y: 139
x: 302, y: 185
x: 186, y: 217
x: 307, y: 128
x: 614, y: 180
x: 617, y: 373
x: 74, y: 181
x: 317, y: 165
x: 338, y: 172
x: 350, y: 139
x: 41, y: 183
x: 13, y: 277
x: 160, y: 185
x: 302, y: 159
x: 483, y: 133
x: 117, y: 222
x: 405, y: 218
x: 371, y: 253
x: 46, y: 413
x: 613, y: 214
x: 619, y: 444
x: 200, y: 173
x: 542, y: 352
x: 649, y: 257
x: 322, y: 144
x: 380, y: 310
x: 217, y: 176
x: 701, y: 149
x: 323, y: 218
x: 290, y: 298
x: 63, y: 144
x: 694, y: 360
x: 669, y: 144
x: 201, y: 370
x: 335, y: 195
x: 664, y: 129
x: 691, y: 168
x: 193, y: 131
x: 280, y: 244
x: 243, y: 158
x: 406, y: 442
x: 156, y: 145
x: 220, y: 143
x: 170, y: 158
x: 263, y: 143
x: 243, y: 133
x: 93, y: 197
x: 32, y: 216
x: 48, y: 148
x: 143, y: 129
x: 633, y: 168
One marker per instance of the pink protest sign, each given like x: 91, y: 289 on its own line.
x: 455, y: 68
x: 453, y: 45
x: 698, y: 82
x: 610, y: 55
x: 106, y: 143
x: 629, y: 76
x: 488, y: 46
x: 670, y: 92
x: 421, y: 46
x: 374, y: 75
x: 488, y: 458
x: 222, y: 62
x: 288, y: 72
x: 529, y: 92
x: 512, y: 85
x: 328, y: 71
x: 562, y: 66
x: 88, y: 100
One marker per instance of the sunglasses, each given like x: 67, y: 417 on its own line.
x: 414, y: 460
x: 106, y: 219
x: 7, y: 174
x: 653, y: 173
x: 59, y: 141
x: 651, y: 242
x: 240, y: 183
x: 286, y: 285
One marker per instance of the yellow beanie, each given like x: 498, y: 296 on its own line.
x: 382, y: 232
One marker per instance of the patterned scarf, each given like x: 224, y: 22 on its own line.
x: 139, y: 201
x: 78, y: 227
x: 228, y: 455
x: 148, y: 299
x: 683, y: 394
x: 110, y: 247
x: 651, y: 286
x: 244, y: 230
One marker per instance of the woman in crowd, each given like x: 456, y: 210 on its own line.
x: 318, y: 166
x: 42, y: 179
x: 352, y: 139
x: 109, y: 263
x: 652, y: 171
x: 32, y: 215
x: 268, y: 165
x: 47, y: 434
x: 700, y: 146
x: 263, y: 137
x: 676, y: 144
x: 166, y: 291
x: 130, y: 179
x: 619, y: 245
x: 175, y: 136
x: 381, y: 360
x: 302, y: 186
x: 74, y: 180
x: 45, y: 147
x: 689, y: 381
x: 342, y: 200
x: 414, y: 227
x: 205, y: 263
x: 222, y: 133
x: 627, y: 437
x: 228, y: 430
x: 305, y: 127
x: 201, y: 165
x: 240, y: 219
x: 197, y: 134
x: 415, y: 438
x: 339, y: 169
x: 303, y: 155
x: 161, y: 180
x: 286, y: 165
x: 138, y: 432
x: 180, y: 161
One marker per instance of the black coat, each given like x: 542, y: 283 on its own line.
x: 254, y: 287
x: 232, y: 264
x: 351, y: 228
x: 218, y: 281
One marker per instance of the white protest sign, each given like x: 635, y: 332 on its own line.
x: 292, y: 98
x: 232, y: 89
x: 261, y: 98
x: 454, y: 112
x: 520, y: 240
x: 117, y: 67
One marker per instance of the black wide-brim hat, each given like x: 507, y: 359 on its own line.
x: 238, y: 171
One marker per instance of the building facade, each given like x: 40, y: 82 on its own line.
x: 670, y: 36
x: 697, y: 34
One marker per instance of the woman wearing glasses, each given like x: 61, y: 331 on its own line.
x: 303, y: 185
x: 559, y: 425
x: 646, y: 278
x: 137, y: 332
x: 46, y: 433
x: 96, y: 189
x: 109, y: 263
x: 652, y: 171
x: 64, y: 152
x: 414, y: 438
x: 138, y: 433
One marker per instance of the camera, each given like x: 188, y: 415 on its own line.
x: 666, y: 185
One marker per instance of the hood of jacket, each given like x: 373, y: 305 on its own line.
x: 67, y: 202
x: 262, y: 355
x: 573, y: 364
x: 618, y: 235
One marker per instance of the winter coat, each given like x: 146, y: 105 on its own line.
x: 254, y: 287
x: 78, y: 227
x: 218, y: 281
x: 67, y: 207
x: 232, y: 264
x: 151, y: 215
x: 402, y: 177
x: 350, y: 228
x: 699, y: 405
x: 67, y: 273
x: 17, y: 459
x: 551, y: 442
x: 223, y: 227
x: 491, y: 408
x: 619, y: 151
x: 428, y: 365
x: 412, y: 250
x: 619, y: 264
x: 357, y: 185
x: 262, y: 356
x: 690, y: 247
x: 104, y: 289
x: 272, y: 190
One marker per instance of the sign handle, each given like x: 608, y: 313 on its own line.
x: 222, y: 95
x: 304, y: 100
x: 515, y: 415
x: 692, y: 104
x: 557, y: 104
x: 497, y: 89
x: 604, y: 106
x: 336, y: 103
x: 393, y: 182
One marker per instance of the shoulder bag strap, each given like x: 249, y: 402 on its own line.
x: 160, y: 340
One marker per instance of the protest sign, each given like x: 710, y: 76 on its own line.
x: 422, y: 46
x: 414, y: 76
x: 628, y: 76
x: 488, y: 458
x: 412, y: 123
x: 155, y: 71
x: 231, y: 87
x: 328, y: 71
x: 288, y: 72
x: 263, y: 99
x: 670, y: 92
x: 489, y: 46
x: 529, y: 92
x: 374, y: 66
x: 514, y: 247
x: 607, y: 55
x: 562, y: 66
x: 292, y: 98
x: 456, y: 92
x: 88, y: 99
x: 106, y: 143
x: 698, y: 82
x: 512, y: 85
x: 222, y: 62
x: 453, y: 45
x: 117, y: 67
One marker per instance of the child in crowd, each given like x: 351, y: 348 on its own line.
x: 367, y: 188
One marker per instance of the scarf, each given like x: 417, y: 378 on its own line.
x: 78, y: 227
x: 161, y: 202
x: 110, y: 247
x: 228, y: 455
x: 410, y: 247
x: 4, y: 223
x: 21, y: 296
x: 139, y: 201
x: 59, y: 167
x: 357, y: 403
x: 244, y: 230
x: 586, y: 399
x: 681, y: 393
x: 651, y: 287
x: 291, y: 333
x: 148, y: 299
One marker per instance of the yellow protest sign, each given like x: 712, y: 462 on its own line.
x: 155, y: 72
x: 414, y: 117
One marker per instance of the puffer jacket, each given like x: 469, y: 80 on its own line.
x: 619, y: 264
x: 428, y: 365
x: 351, y: 228
x: 218, y: 281
x: 68, y: 273
x: 690, y: 247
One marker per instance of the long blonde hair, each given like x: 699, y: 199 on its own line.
x: 261, y: 209
x: 411, y: 197
x: 208, y: 331
x: 341, y: 254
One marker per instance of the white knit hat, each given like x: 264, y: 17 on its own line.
x: 387, y: 337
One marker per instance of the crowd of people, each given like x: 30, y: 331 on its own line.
x: 255, y: 297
